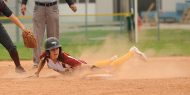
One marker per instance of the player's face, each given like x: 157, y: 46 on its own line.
x: 54, y: 53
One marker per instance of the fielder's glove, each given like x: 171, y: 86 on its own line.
x: 29, y: 39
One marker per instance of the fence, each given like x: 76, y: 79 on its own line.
x: 107, y: 19
x: 173, y: 29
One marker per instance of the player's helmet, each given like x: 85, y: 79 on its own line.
x: 52, y: 43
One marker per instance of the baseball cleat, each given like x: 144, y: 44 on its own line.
x: 113, y: 58
x: 35, y: 65
x: 19, y: 69
x: 138, y: 52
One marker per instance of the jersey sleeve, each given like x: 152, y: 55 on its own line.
x: 73, y: 62
x: 4, y: 9
x: 69, y: 2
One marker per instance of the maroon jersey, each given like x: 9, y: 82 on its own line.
x: 67, y: 59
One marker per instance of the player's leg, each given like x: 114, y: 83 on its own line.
x: 52, y: 21
x: 133, y: 51
x: 104, y: 63
x: 39, y: 23
x: 137, y: 52
x: 119, y: 61
x: 11, y: 48
x: 114, y: 61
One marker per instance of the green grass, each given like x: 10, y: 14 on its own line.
x: 72, y: 42
x: 24, y: 53
x: 75, y: 42
x: 172, y: 43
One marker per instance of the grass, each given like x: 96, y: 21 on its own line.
x: 72, y: 42
x: 172, y: 43
x: 75, y: 42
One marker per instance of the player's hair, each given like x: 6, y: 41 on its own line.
x: 46, y: 55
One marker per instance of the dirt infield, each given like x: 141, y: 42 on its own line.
x: 158, y: 76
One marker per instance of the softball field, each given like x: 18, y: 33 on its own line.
x: 157, y: 76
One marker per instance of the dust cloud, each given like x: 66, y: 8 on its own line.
x: 134, y: 68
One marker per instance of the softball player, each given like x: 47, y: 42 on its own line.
x: 45, y: 18
x: 62, y: 62
x: 5, y: 40
x: 55, y: 58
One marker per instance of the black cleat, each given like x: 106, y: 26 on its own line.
x: 19, y: 69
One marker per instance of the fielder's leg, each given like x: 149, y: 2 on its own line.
x: 11, y: 48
